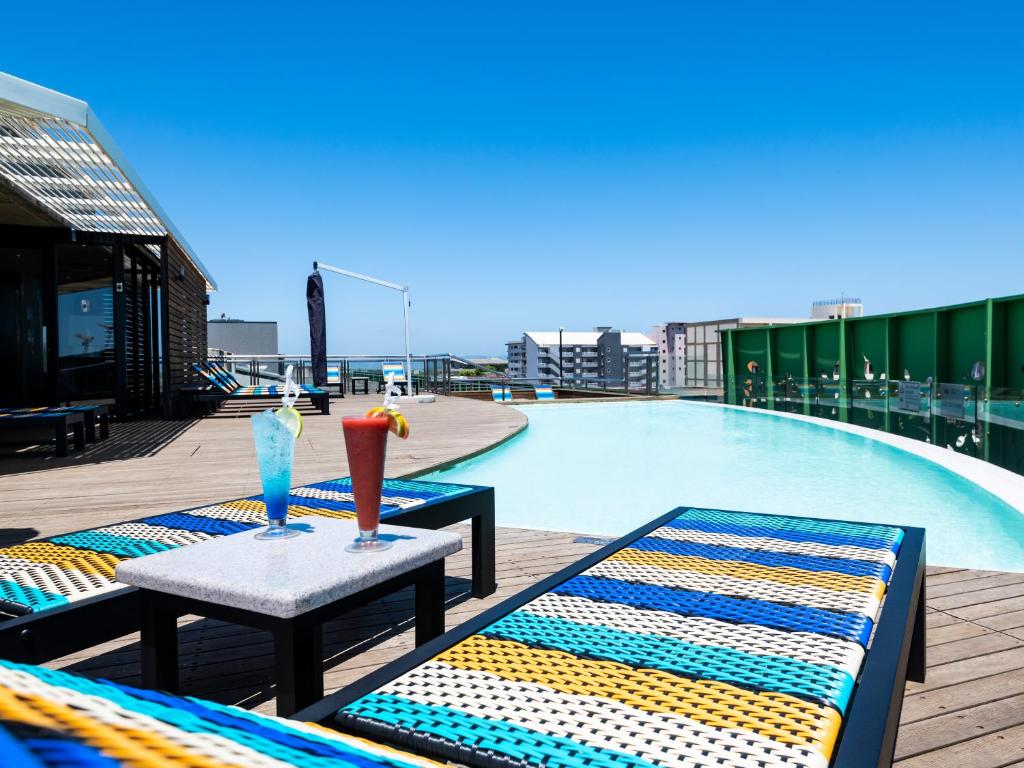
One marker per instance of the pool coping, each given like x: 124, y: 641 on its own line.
x: 1002, y: 483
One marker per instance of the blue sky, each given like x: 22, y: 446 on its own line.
x: 529, y: 165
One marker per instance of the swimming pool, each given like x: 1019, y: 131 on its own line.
x: 606, y: 468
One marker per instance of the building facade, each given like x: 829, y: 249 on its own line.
x: 690, y: 353
x: 836, y: 309
x: 671, y: 341
x: 578, y: 356
x: 101, y: 299
x: 242, y: 337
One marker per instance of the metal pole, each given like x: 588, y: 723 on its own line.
x: 561, y: 373
x: 408, y: 358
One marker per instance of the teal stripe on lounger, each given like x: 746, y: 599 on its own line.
x: 820, y: 683
x: 886, y: 533
x: 114, y: 545
x: 32, y: 597
x: 503, y: 738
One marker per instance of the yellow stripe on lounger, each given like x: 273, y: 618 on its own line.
x: 839, y: 582
x: 778, y: 716
x: 130, y: 745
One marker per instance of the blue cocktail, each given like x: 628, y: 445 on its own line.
x: 275, y: 446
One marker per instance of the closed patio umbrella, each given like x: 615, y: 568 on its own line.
x: 317, y: 329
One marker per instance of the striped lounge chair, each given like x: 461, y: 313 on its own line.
x: 58, y: 594
x: 227, y: 387
x: 543, y: 392
x: 501, y: 394
x: 398, y: 369
x: 57, y: 719
x: 705, y: 638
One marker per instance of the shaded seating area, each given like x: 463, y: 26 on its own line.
x: 85, y: 423
x: 60, y: 595
x: 705, y: 638
x: 224, y: 386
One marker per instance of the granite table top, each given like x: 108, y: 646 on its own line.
x: 289, y: 577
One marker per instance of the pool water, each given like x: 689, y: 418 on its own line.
x: 607, y: 468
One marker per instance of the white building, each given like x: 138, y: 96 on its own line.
x: 553, y: 356
x: 833, y: 309
x: 671, y: 341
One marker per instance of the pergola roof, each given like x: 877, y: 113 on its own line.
x: 56, y: 153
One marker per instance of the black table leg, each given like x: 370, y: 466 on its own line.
x: 429, y: 602
x: 104, y: 426
x: 484, y: 582
x: 78, y: 430
x: 159, y: 645
x: 298, y: 658
x: 60, y: 434
x: 90, y: 427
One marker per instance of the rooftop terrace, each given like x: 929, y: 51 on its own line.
x: 970, y: 713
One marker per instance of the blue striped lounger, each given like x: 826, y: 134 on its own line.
x: 711, y: 639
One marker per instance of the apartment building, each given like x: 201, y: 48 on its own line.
x: 603, y: 353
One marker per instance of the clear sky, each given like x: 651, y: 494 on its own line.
x: 528, y: 165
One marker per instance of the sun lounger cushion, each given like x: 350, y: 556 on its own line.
x: 543, y: 392
x: 52, y: 718
x: 718, y: 639
x: 47, y: 573
x: 393, y: 368
x: 227, y: 383
x: 501, y: 394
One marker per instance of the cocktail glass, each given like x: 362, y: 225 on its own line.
x: 275, y: 446
x: 366, y: 441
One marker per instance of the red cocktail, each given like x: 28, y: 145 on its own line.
x: 366, y: 441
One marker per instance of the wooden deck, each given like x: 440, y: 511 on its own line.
x: 149, y: 467
x: 970, y: 713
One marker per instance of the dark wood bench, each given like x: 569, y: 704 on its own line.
x: 59, y: 422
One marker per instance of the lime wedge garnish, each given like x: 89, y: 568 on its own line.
x: 291, y: 418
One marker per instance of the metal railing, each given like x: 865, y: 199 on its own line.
x: 432, y: 373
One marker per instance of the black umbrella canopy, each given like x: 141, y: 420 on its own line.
x: 317, y: 328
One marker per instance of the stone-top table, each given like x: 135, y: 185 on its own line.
x: 289, y: 587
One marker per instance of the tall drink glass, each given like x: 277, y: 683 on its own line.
x: 275, y: 446
x: 366, y: 441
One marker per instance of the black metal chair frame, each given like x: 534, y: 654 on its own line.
x: 868, y: 736
x: 214, y: 396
